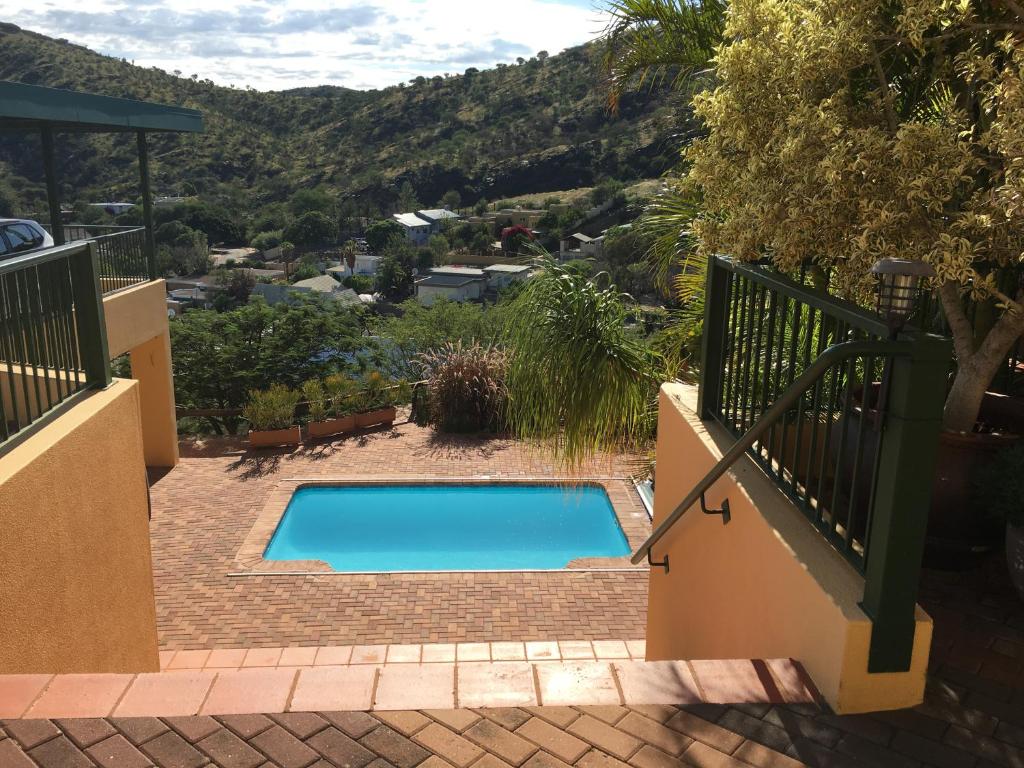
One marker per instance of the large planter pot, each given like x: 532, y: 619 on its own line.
x: 1015, y: 556
x: 374, y: 418
x: 958, y: 534
x: 275, y: 438
x: 339, y: 426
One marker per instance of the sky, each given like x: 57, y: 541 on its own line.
x: 277, y: 44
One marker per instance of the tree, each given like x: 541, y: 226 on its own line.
x: 219, y: 225
x: 380, y: 233
x: 891, y: 130
x: 313, y: 228
x: 266, y: 241
x: 236, y: 285
x: 395, y: 270
x: 181, y: 249
x: 407, y: 201
x: 439, y: 247
x: 514, y: 239
x: 451, y: 199
x: 577, y: 379
x: 308, y: 200
x: 218, y: 357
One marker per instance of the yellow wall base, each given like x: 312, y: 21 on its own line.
x: 76, y: 583
x: 766, y: 585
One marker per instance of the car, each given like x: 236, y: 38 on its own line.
x: 18, y: 236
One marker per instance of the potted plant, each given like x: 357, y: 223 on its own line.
x: 329, y: 406
x: 376, y: 401
x: 999, y: 495
x: 271, y: 417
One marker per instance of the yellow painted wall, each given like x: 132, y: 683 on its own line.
x: 137, y: 324
x: 764, y: 586
x: 76, y: 584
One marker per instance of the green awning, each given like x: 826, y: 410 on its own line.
x: 32, y: 107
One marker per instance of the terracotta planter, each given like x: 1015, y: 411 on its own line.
x: 373, y: 418
x: 331, y: 427
x: 1015, y: 556
x: 275, y: 438
x: 958, y: 534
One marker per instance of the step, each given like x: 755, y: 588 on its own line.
x: 366, y: 678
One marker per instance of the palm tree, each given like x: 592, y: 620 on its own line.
x: 654, y: 40
x: 578, y: 380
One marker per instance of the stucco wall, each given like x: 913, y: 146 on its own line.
x: 135, y: 315
x: 766, y: 585
x: 76, y: 584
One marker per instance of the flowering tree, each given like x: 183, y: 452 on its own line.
x: 514, y: 238
x: 845, y: 131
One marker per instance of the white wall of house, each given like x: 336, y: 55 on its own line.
x: 428, y: 294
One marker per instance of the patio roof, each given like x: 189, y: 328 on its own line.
x: 32, y: 107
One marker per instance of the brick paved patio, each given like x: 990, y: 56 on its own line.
x: 204, y: 509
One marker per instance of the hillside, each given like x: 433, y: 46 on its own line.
x: 502, y: 132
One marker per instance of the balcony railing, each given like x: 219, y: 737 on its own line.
x: 842, y: 418
x: 121, y: 251
x: 53, y: 343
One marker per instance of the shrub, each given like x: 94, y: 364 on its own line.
x: 466, y: 387
x: 316, y: 400
x: 340, y: 393
x: 272, y: 408
x: 359, y: 283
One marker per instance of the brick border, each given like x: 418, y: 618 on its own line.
x: 249, y: 561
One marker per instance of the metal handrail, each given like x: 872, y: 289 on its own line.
x: 837, y: 353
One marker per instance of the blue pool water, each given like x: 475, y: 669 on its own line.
x: 447, y: 527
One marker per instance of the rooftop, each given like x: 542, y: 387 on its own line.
x: 515, y: 269
x: 410, y: 220
x: 456, y: 270
x: 437, y: 214
x: 447, y: 280
x: 320, y: 283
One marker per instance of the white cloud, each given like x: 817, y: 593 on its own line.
x: 276, y: 44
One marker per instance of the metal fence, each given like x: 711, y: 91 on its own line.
x: 52, y: 335
x: 855, y: 446
x: 121, y: 251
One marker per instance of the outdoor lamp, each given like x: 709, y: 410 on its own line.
x: 899, y: 286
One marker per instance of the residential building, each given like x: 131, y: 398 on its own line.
x: 417, y: 230
x: 453, y: 283
x: 114, y: 209
x: 502, y: 275
x: 438, y: 218
x: 323, y: 285
x: 580, y: 246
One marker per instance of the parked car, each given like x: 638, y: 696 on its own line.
x: 18, y: 236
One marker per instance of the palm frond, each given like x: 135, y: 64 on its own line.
x: 651, y: 40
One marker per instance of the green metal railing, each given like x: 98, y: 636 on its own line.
x: 53, y: 343
x: 844, y: 420
x: 123, y: 253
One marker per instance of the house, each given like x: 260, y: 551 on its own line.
x: 453, y: 283
x: 324, y: 285
x: 114, y: 209
x: 438, y: 218
x: 580, y: 246
x: 417, y: 230
x: 502, y: 275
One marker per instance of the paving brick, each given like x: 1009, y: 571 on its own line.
x: 415, y: 686
x: 506, y: 745
x: 334, y: 688
x: 701, y: 755
x: 873, y: 753
x: 994, y: 750
x: 394, y: 747
x: 117, y: 752
x: 497, y: 684
x: 448, y: 745
x: 799, y: 726
x: 301, y: 724
x: 406, y: 723
x: 139, y: 729
x: 245, y: 691
x: 355, y: 724
x: 931, y: 752
x: 562, y: 745
x: 79, y: 696
x: 707, y: 733
x: 544, y: 760
x: 605, y: 737
x: 650, y: 757
x: 580, y: 682
x: 597, y: 759
x: 507, y: 717
x: 283, y: 748
x: 11, y: 755
x: 29, y: 733
x: 193, y: 729
x: 660, y: 713
x: 178, y: 694
x: 666, y: 739
x: 610, y: 714
x: 17, y: 692
x: 60, y: 753
x: 490, y: 761
x: 229, y: 751
x: 246, y: 726
x: 170, y: 750
x: 340, y: 749
x: 779, y: 739
x: 456, y: 719
x: 86, y: 731
x: 762, y: 757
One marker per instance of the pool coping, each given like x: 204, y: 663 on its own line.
x: 249, y: 561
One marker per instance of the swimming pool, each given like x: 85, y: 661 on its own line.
x: 359, y: 528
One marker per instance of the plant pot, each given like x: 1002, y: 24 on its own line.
x: 275, y: 438
x: 959, y: 535
x: 330, y: 427
x: 379, y: 416
x: 1015, y: 556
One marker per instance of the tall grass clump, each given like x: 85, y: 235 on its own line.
x: 465, y: 387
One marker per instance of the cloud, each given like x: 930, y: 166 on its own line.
x: 355, y: 43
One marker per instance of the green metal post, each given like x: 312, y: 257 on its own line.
x: 906, y: 468
x: 52, y: 196
x: 90, y: 324
x: 716, y: 305
x: 147, y: 205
